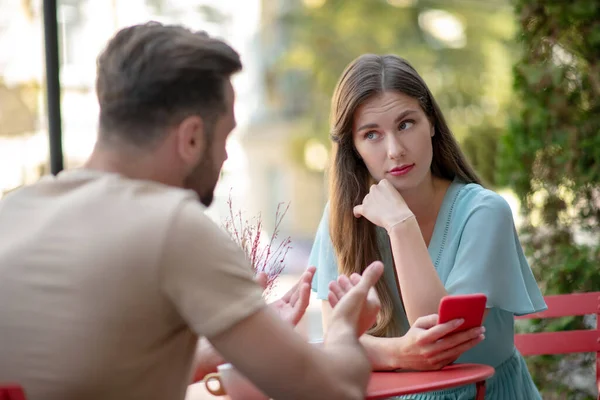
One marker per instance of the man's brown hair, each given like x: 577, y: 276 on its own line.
x: 152, y: 76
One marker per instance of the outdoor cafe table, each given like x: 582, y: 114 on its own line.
x: 388, y: 384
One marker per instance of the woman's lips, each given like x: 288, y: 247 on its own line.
x: 399, y: 171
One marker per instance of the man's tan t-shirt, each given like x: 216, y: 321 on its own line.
x: 106, y: 283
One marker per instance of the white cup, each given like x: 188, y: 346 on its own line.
x: 233, y: 384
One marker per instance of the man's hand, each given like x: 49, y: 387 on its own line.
x: 338, y: 289
x: 292, y: 306
x: 356, y: 301
x: 349, y: 318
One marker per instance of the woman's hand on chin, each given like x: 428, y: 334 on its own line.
x: 383, y: 206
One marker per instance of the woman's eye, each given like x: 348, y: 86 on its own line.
x: 405, y: 125
x: 371, y: 135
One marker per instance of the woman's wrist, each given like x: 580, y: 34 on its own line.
x: 385, y: 354
x: 400, y: 227
x: 397, y: 345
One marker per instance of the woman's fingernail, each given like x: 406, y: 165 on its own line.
x: 459, y: 322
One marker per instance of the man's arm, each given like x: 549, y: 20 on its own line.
x: 206, y: 360
x: 201, y: 267
x: 283, y: 365
x: 290, y: 308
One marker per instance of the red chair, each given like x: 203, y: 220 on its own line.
x: 580, y: 341
x: 11, y: 391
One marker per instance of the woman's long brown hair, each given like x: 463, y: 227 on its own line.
x: 355, y: 239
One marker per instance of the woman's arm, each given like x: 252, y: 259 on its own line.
x: 426, y: 346
x: 382, y: 353
x: 420, y: 284
x: 416, y: 273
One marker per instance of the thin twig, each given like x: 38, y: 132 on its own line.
x: 270, y: 258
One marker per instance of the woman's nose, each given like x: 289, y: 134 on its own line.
x: 395, y: 147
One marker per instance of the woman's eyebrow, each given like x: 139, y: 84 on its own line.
x: 403, y: 115
x: 400, y: 116
x: 370, y: 125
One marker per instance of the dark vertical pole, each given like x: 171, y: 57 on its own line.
x: 53, y: 86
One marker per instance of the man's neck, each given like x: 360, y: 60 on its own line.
x: 131, y: 163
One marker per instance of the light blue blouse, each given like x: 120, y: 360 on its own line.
x: 475, y: 249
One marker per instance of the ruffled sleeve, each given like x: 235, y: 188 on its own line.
x: 323, y: 257
x: 490, y: 259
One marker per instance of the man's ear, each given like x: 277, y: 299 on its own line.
x: 191, y: 140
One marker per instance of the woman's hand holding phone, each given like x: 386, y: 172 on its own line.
x: 430, y: 346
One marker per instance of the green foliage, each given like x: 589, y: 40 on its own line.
x: 551, y: 156
x: 471, y: 83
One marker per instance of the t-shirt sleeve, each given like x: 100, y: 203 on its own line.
x: 323, y: 257
x: 206, y: 275
x: 490, y: 260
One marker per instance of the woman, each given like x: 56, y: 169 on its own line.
x: 402, y: 191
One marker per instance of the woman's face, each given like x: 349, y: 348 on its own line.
x: 393, y: 135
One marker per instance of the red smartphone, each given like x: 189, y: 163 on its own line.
x: 469, y: 307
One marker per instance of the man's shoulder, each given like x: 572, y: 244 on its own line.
x: 144, y: 198
x: 155, y: 204
x: 148, y: 194
x: 190, y: 218
x: 103, y: 199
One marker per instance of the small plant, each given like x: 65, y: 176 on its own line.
x: 265, y: 254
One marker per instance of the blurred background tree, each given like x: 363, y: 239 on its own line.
x: 463, y: 49
x: 551, y: 158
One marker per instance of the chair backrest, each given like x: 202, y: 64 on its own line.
x: 579, y: 341
x: 11, y: 391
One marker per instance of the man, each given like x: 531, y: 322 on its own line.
x: 110, y: 273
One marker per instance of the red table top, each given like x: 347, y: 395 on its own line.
x: 386, y: 384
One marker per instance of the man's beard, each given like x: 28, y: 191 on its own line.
x: 208, y: 197
x: 203, y: 179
